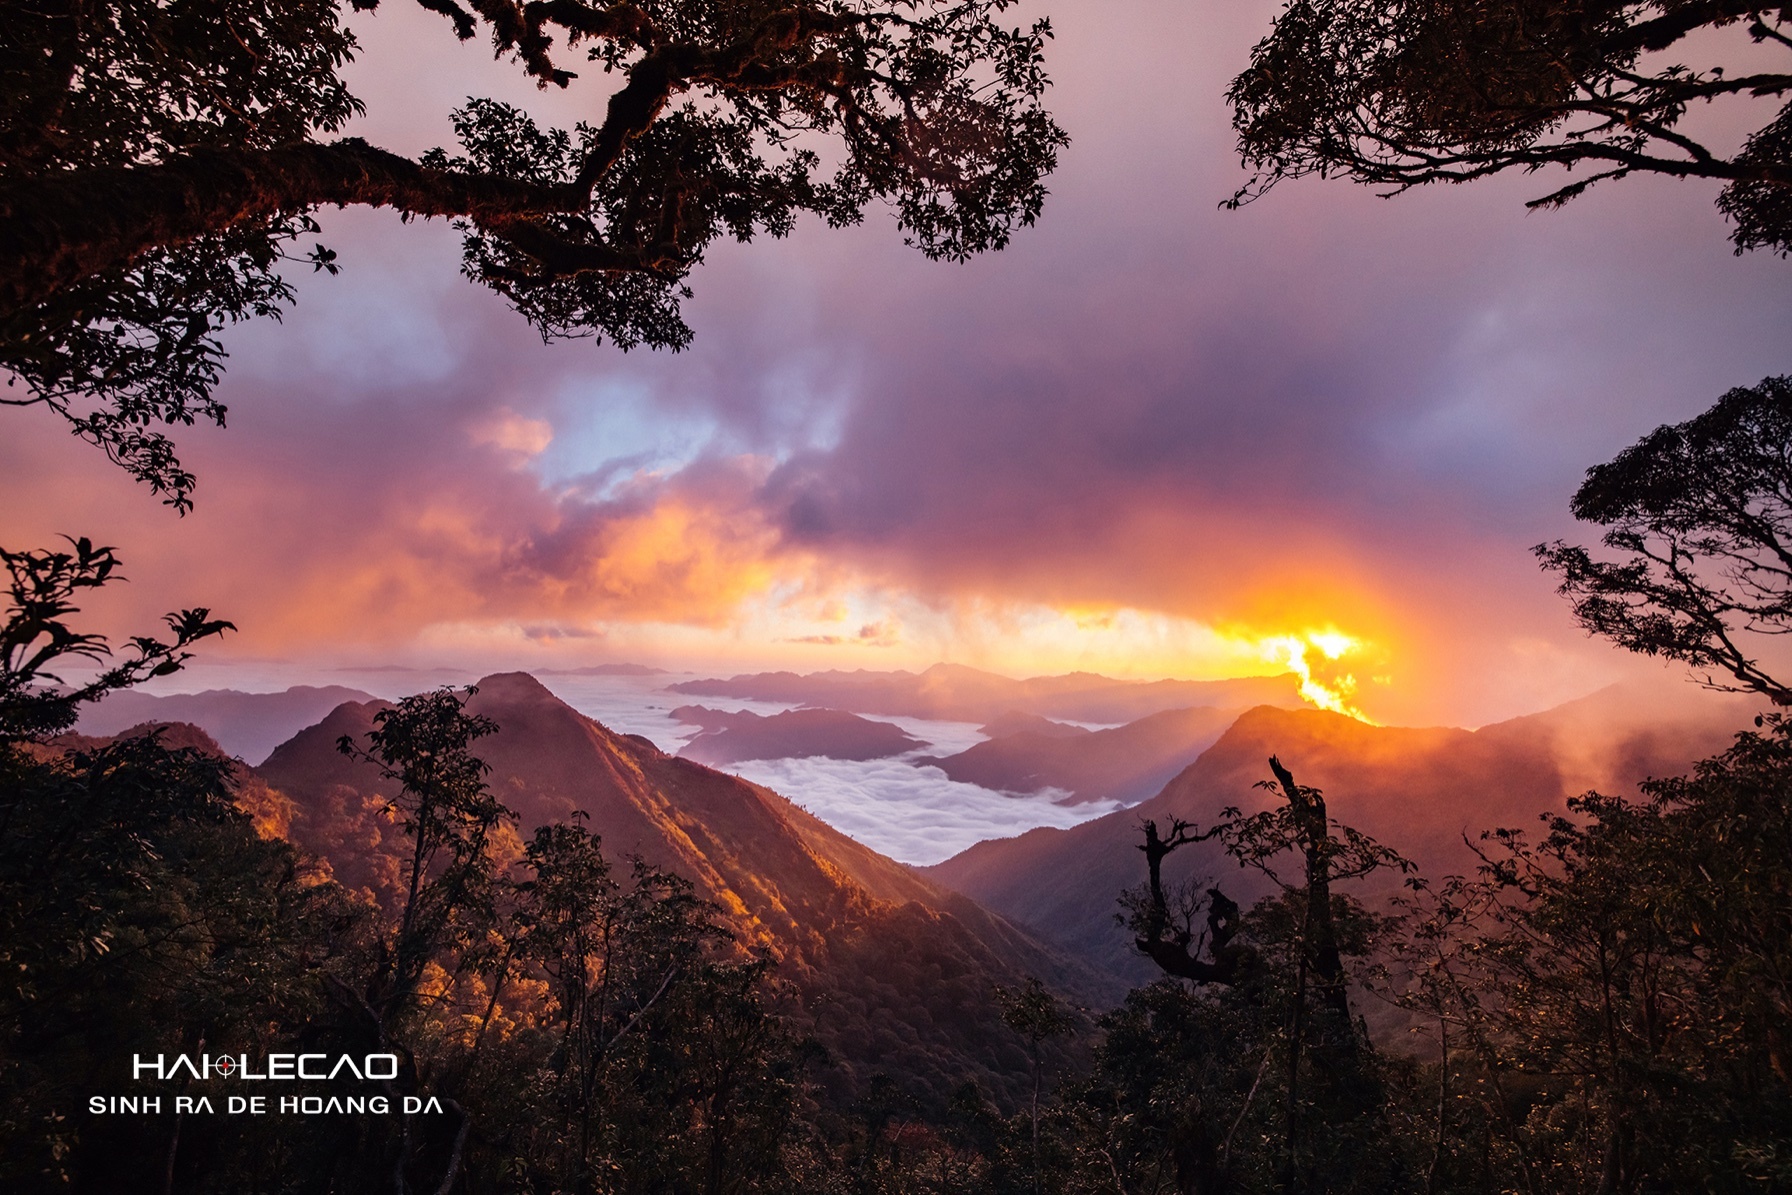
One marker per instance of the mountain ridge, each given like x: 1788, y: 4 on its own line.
x: 958, y: 693
x: 1127, y: 763
x: 1419, y: 790
x: 728, y: 737
x: 876, y: 948
x: 246, y: 725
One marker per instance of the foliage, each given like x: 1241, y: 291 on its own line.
x: 1283, y: 998
x: 41, y: 592
x: 449, y: 814
x: 139, y: 909
x: 1189, y: 1094
x: 1617, y: 992
x: 139, y: 913
x: 635, y: 1094
x: 94, y: 95
x: 1399, y: 93
x: 158, y: 164
x: 1702, y: 514
x: 1034, y: 1013
x: 576, y: 1029
x: 1164, y: 922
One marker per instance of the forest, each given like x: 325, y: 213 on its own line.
x: 1602, y: 1003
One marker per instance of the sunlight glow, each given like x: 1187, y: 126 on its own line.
x: 1313, y: 656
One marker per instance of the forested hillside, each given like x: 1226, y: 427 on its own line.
x: 893, y: 973
x: 1428, y: 793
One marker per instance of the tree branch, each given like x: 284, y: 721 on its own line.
x: 58, y: 229
x: 1682, y: 19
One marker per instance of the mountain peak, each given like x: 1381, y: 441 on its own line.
x: 944, y: 669
x: 834, y: 913
x: 513, y: 686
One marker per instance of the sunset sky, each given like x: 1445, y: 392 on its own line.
x: 1151, y: 438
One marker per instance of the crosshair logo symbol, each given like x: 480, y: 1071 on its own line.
x: 224, y: 1065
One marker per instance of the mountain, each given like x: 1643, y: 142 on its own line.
x: 246, y: 725
x: 1420, y: 791
x: 271, y: 811
x: 1611, y: 739
x: 795, y: 734
x: 894, y: 971
x: 954, y: 693
x: 605, y: 670
x: 1127, y: 763
x: 173, y: 735
x: 1014, y: 722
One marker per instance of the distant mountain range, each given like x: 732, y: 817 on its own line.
x: 955, y: 693
x: 795, y: 734
x: 1014, y: 722
x: 1420, y: 791
x: 245, y: 725
x: 605, y: 670
x: 895, y: 972
x: 894, y: 965
x: 1127, y: 764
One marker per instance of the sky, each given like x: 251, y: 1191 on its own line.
x: 1150, y: 438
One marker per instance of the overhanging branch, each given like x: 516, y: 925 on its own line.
x: 58, y: 229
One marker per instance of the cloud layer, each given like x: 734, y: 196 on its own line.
x: 1324, y: 411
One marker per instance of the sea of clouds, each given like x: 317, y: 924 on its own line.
x: 911, y: 813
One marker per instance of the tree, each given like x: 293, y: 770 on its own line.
x: 1036, y: 1015
x: 42, y: 587
x: 1399, y: 93
x: 1329, y: 853
x: 1701, y: 512
x: 667, y: 1070
x: 140, y: 908
x: 423, y: 744
x: 158, y: 164
x: 1619, y: 989
x: 1285, y: 999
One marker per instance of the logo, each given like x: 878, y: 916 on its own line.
x: 278, y: 1067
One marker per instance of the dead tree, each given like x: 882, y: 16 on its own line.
x: 1330, y: 1088
x: 1167, y: 942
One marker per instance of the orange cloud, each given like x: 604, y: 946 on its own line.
x: 305, y: 563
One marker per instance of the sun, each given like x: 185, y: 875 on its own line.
x: 1317, y: 657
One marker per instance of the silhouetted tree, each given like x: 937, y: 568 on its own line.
x: 158, y: 164
x: 1284, y: 998
x: 1034, y: 1013
x: 1164, y: 922
x: 668, y: 1071
x: 424, y: 744
x: 140, y: 910
x: 1398, y: 93
x: 42, y: 587
x: 1619, y: 992
x: 1701, y: 512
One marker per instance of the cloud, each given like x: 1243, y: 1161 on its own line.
x: 914, y: 815
x: 887, y: 633
x: 510, y: 432
x: 911, y: 813
x: 367, y: 509
x: 1145, y: 433
x: 550, y: 634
